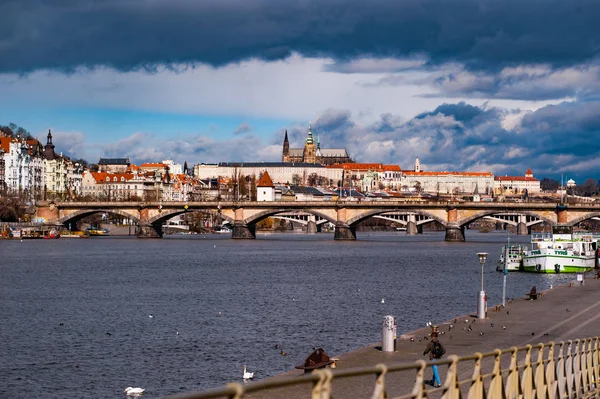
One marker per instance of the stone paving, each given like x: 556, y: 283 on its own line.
x: 561, y: 314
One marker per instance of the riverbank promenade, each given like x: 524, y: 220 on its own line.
x: 543, y: 355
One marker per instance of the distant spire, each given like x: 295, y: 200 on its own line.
x: 285, y: 156
x: 49, y: 148
x: 309, y: 139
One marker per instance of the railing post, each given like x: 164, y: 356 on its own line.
x: 477, y: 389
x: 379, y: 391
x: 322, y: 388
x: 513, y: 387
x: 569, y: 369
x: 541, y: 386
x: 551, y: 367
x: 577, y: 369
x: 527, y: 386
x: 561, y: 370
x: 450, y: 387
x: 586, y: 365
x: 419, y: 388
x: 496, y: 384
x: 596, y: 363
x: 239, y: 390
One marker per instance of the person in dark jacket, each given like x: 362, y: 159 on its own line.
x: 436, y: 350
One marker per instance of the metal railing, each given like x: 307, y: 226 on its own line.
x: 568, y: 369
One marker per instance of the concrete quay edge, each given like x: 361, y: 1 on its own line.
x: 562, y: 313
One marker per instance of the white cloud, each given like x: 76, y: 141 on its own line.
x: 296, y: 88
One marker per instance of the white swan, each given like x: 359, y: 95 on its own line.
x: 382, y: 300
x: 130, y: 391
x: 247, y: 375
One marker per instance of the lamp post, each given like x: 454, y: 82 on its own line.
x: 481, y: 303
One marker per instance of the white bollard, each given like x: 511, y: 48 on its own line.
x: 481, y: 305
x: 389, y: 334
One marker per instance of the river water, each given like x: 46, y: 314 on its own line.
x: 87, y: 318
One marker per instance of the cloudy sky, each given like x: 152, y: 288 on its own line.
x: 467, y: 85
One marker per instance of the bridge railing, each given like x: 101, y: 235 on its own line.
x: 568, y: 369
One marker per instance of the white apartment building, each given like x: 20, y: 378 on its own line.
x: 516, y: 185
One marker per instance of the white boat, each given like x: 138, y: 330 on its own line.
x: 561, y: 252
x: 511, y: 258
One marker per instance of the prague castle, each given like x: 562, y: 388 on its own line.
x: 313, y: 153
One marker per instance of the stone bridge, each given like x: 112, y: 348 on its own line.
x: 345, y: 215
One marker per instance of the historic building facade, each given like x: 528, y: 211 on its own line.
x: 313, y: 153
x: 516, y: 185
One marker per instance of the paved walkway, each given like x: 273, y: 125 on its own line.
x: 561, y: 314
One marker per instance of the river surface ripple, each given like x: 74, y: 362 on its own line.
x: 76, y: 313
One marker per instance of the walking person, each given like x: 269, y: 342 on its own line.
x: 436, y: 350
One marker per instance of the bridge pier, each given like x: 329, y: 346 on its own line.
x: 311, y: 227
x: 455, y: 233
x: 243, y: 231
x: 522, y: 229
x: 411, y: 228
x: 148, y: 231
x: 344, y: 232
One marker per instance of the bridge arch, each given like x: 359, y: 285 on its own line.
x: 80, y: 214
x: 582, y: 218
x: 266, y: 213
x: 374, y: 212
x: 478, y: 215
x: 162, y: 217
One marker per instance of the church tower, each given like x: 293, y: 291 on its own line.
x: 310, y: 151
x: 417, y: 165
x: 49, y: 148
x: 285, y: 157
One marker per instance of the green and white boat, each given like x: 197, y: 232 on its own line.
x: 563, y: 251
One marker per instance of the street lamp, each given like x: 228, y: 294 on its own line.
x: 481, y: 304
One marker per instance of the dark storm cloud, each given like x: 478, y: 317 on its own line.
x: 571, y: 128
x: 129, y: 34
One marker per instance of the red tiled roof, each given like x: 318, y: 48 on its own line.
x: 265, y: 181
x: 529, y: 172
x: 465, y: 174
x: 100, y: 177
x: 152, y: 165
x: 515, y: 178
x: 5, y: 143
x: 364, y: 166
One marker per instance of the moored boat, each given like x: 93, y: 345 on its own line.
x: 511, y: 258
x: 563, y: 251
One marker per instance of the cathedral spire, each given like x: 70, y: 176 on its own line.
x: 309, y: 139
x: 285, y: 156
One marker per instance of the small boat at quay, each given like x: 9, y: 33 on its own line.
x: 511, y: 258
x: 562, y: 251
